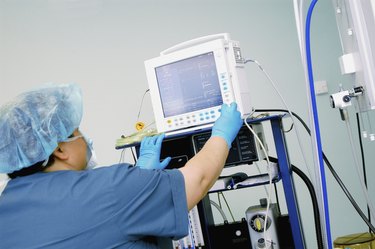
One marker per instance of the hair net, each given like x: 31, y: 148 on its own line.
x: 34, y: 123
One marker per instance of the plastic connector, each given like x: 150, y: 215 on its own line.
x: 349, y: 63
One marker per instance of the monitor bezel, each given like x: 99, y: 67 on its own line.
x: 219, y: 50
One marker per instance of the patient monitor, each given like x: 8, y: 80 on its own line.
x: 190, y: 81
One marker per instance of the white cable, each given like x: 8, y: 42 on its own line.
x: 140, y: 107
x: 358, y: 169
x: 290, y: 113
x: 270, y: 180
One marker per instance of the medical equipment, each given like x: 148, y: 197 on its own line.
x: 356, y: 25
x: 356, y: 22
x: 258, y: 227
x: 244, y: 149
x: 231, y: 235
x: 189, y: 82
x: 343, y: 98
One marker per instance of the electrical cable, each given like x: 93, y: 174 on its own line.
x: 318, y: 228
x: 358, y: 168
x: 218, y: 198
x: 266, y: 190
x: 300, y: 145
x: 348, y: 195
x: 332, y: 170
x: 259, y: 171
x: 220, y: 210
x: 277, y: 197
x: 139, y: 113
x: 286, y: 106
x: 226, y: 203
x: 291, y: 127
x: 122, y: 156
x: 363, y: 160
x: 134, y: 157
x: 269, y: 176
x: 140, y: 107
x: 310, y: 187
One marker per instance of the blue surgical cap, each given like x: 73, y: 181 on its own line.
x: 32, y: 125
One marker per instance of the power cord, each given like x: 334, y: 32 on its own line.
x: 226, y: 203
x: 332, y: 170
x: 363, y: 160
x: 314, y: 200
x: 286, y: 106
x: 269, y: 174
x: 220, y: 210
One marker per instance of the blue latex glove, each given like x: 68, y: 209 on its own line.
x: 149, y: 153
x: 228, y: 124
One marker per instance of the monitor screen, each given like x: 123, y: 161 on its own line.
x: 189, y: 85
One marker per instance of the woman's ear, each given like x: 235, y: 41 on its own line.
x: 60, y: 153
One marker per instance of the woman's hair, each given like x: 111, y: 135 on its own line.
x: 38, y: 167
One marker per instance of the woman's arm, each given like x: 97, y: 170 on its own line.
x: 201, y: 171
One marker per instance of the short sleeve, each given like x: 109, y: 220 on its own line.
x: 150, y: 202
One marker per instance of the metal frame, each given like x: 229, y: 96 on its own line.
x: 287, y: 181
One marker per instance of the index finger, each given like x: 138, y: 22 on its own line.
x: 160, y: 139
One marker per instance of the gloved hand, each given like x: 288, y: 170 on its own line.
x: 228, y: 124
x: 149, y: 153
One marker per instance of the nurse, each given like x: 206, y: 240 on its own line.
x: 51, y: 201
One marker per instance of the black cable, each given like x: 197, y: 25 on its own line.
x: 314, y: 200
x: 350, y: 197
x: 310, y: 187
x: 333, y: 172
x: 363, y: 162
x: 277, y: 197
x: 134, y: 157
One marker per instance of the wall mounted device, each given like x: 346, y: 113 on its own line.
x: 189, y: 82
x: 356, y: 25
x: 343, y: 99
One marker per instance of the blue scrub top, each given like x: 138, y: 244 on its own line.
x: 110, y: 207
